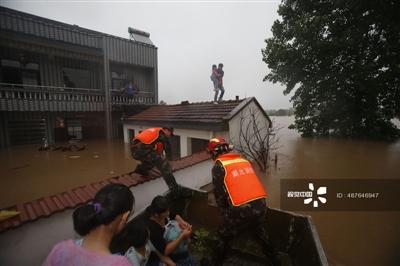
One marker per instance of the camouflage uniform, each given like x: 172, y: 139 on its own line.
x: 146, y: 154
x: 249, y: 217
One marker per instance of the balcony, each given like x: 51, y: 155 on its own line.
x: 119, y: 98
x: 20, y: 97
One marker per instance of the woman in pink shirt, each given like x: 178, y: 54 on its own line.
x: 97, y: 223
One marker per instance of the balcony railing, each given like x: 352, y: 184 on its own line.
x: 20, y: 97
x: 121, y: 98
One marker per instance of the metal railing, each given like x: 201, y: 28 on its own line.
x: 122, y: 98
x: 21, y: 97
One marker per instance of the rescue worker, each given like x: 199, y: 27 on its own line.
x: 240, y: 197
x: 148, y: 147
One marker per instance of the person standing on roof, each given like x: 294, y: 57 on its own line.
x: 215, y: 80
x: 220, y: 87
x: 148, y: 148
x: 240, y: 197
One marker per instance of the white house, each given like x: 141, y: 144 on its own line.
x: 195, y: 123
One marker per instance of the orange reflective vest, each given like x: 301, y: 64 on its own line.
x: 241, y: 182
x: 148, y: 136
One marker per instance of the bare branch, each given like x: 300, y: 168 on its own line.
x: 256, y: 138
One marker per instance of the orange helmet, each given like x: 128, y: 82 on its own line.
x: 215, y: 143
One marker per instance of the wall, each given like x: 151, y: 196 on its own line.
x: 234, y: 123
x: 184, y: 134
x: 30, y: 243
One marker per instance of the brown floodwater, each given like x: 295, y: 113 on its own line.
x: 348, y: 238
x: 27, y: 174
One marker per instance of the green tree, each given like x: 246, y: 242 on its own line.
x: 342, y: 60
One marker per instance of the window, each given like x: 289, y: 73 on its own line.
x: 131, y: 134
x: 74, y: 129
x: 118, y: 81
x: 15, y: 72
x: 76, y: 78
x: 30, y: 77
x: 175, y: 142
x: 199, y: 145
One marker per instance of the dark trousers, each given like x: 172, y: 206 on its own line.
x: 248, y: 218
x: 149, y: 158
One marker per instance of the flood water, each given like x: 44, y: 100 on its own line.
x: 27, y: 174
x: 348, y: 238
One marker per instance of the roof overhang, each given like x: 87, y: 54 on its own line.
x: 207, y: 126
x: 243, y: 105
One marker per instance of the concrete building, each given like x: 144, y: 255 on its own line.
x: 195, y: 123
x: 59, y: 80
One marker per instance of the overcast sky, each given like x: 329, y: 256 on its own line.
x: 190, y: 38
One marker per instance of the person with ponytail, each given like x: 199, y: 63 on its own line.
x: 97, y: 223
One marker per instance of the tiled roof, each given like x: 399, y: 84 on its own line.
x: 201, y: 115
x: 206, y: 113
x: 43, y: 207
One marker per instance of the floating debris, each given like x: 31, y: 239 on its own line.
x: 74, y: 156
x: 20, y: 167
x: 4, y: 215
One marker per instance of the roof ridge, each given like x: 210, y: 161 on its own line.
x: 190, y: 112
x: 46, y: 206
x: 205, y: 102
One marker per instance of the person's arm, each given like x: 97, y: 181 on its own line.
x: 171, y: 246
x: 182, y: 223
x: 218, y: 174
x: 165, y: 259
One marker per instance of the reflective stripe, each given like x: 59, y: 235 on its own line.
x: 228, y: 162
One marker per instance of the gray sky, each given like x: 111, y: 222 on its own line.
x: 190, y: 38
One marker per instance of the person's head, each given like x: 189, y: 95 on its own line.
x: 159, y: 208
x: 220, y: 65
x: 169, y: 131
x: 214, y: 67
x: 218, y: 146
x: 111, y: 206
x: 135, y: 234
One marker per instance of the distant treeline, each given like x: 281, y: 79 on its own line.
x: 280, y: 112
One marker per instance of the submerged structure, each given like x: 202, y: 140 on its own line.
x: 61, y: 81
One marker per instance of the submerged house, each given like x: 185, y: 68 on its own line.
x: 59, y: 80
x: 195, y: 123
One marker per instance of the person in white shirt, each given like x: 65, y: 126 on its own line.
x: 134, y: 242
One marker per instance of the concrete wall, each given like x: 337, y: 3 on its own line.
x: 234, y: 123
x: 29, y: 244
